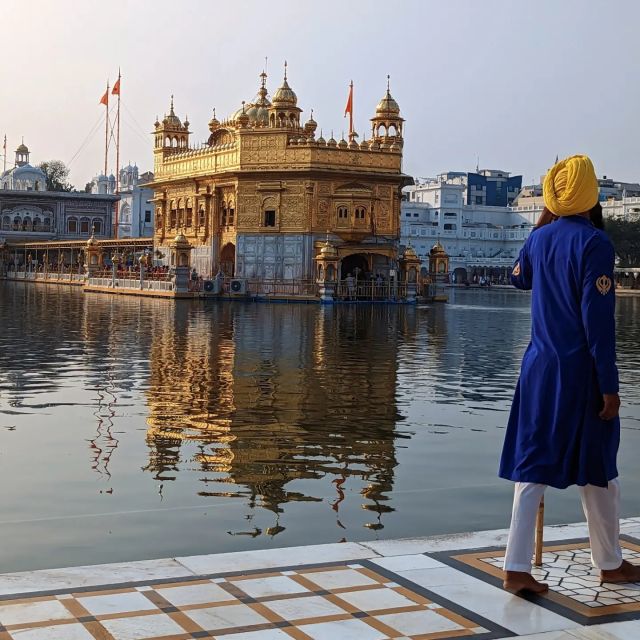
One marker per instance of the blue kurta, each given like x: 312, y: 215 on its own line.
x: 555, y: 435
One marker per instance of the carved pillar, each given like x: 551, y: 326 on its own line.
x: 410, y: 265
x: 327, y: 272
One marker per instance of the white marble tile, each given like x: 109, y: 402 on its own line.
x: 407, y: 563
x: 73, y: 577
x: 434, y: 577
x: 376, y: 599
x: 274, y: 586
x: 547, y: 635
x: 614, y: 631
x: 514, y: 613
x: 142, y: 627
x: 339, y: 578
x: 266, y: 634
x: 342, y: 630
x: 117, y: 603
x: 195, y: 594
x: 413, y: 623
x: 68, y: 632
x: 271, y: 558
x: 33, y: 612
x: 299, y: 608
x: 225, y: 617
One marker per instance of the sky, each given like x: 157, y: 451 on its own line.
x: 506, y: 84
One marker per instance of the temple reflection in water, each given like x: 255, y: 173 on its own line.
x: 262, y: 400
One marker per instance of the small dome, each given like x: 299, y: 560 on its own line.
x: 387, y: 106
x: 410, y: 252
x: 328, y: 250
x: 353, y: 144
x: 172, y: 119
x: 437, y: 248
x: 91, y: 242
x: 22, y: 148
x: 343, y: 144
x: 285, y: 96
x: 364, y: 145
x: 321, y: 140
x: 332, y: 142
x: 214, y: 123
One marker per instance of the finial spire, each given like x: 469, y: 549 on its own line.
x: 388, y: 82
x: 285, y: 70
x: 312, y: 114
x: 214, y: 112
x: 243, y: 106
x: 172, y: 112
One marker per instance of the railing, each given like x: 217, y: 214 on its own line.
x: 278, y: 287
x: 47, y: 276
x: 371, y: 291
x: 130, y: 283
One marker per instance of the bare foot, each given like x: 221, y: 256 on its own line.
x: 626, y: 572
x: 515, y: 581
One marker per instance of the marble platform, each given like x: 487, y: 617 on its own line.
x: 420, y: 589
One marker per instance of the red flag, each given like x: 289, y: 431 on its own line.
x: 105, y: 98
x: 116, y: 87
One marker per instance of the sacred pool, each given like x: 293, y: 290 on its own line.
x: 135, y: 428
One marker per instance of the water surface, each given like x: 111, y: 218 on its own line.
x: 133, y: 428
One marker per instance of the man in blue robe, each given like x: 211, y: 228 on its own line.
x: 564, y: 427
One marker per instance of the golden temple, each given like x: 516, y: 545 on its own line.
x: 258, y: 197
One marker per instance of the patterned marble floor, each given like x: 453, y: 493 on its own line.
x: 335, y: 601
x: 574, y: 585
x: 417, y: 589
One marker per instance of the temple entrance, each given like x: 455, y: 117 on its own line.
x: 228, y: 259
x: 460, y: 276
x: 356, y: 264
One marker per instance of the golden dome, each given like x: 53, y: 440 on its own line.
x: 437, y: 248
x: 180, y: 238
x: 285, y: 95
x: 214, y: 123
x: 22, y: 148
x: 172, y: 119
x: 410, y: 252
x: 387, y: 106
x: 328, y: 250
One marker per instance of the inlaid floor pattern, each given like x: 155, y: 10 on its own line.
x: 573, y: 582
x: 330, y: 603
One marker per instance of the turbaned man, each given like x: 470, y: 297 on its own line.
x: 564, y: 427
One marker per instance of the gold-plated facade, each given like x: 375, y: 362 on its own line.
x: 259, y: 196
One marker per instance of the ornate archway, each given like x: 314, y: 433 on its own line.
x: 228, y: 259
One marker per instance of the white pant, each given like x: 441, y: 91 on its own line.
x: 601, y: 507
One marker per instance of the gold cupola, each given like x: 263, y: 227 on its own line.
x: 386, y: 125
x: 284, y: 112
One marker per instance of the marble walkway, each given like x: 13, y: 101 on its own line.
x: 419, y: 589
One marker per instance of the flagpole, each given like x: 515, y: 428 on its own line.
x: 351, y: 114
x: 5, y: 152
x: 118, y: 158
x: 106, y: 129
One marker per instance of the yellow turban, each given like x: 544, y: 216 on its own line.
x: 571, y: 186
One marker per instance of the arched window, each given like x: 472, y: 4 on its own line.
x: 85, y: 223
x: 158, y: 218
x: 46, y: 225
x: 72, y: 225
x: 6, y: 223
x: 189, y: 213
x: 343, y: 213
x: 37, y: 185
x: 17, y: 224
x: 26, y: 224
x: 167, y: 141
x: 201, y: 218
x: 174, y: 142
x: 231, y: 214
x: 360, y: 213
x: 392, y: 130
x: 223, y: 218
x: 173, y: 215
x: 272, y: 121
x: 97, y: 225
x: 37, y: 224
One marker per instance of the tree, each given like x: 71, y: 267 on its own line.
x: 57, y: 173
x: 625, y: 237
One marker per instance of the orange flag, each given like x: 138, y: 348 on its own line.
x: 349, y: 108
x: 105, y: 98
x: 116, y: 88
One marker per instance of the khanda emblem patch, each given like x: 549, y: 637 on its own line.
x: 516, y: 270
x: 603, y: 284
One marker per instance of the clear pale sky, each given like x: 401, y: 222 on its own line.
x: 513, y: 82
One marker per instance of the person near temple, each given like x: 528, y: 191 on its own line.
x: 564, y: 427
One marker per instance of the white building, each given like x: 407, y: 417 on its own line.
x: 22, y: 176
x: 480, y: 240
x: 135, y: 214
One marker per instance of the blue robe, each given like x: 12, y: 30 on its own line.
x: 554, y: 435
